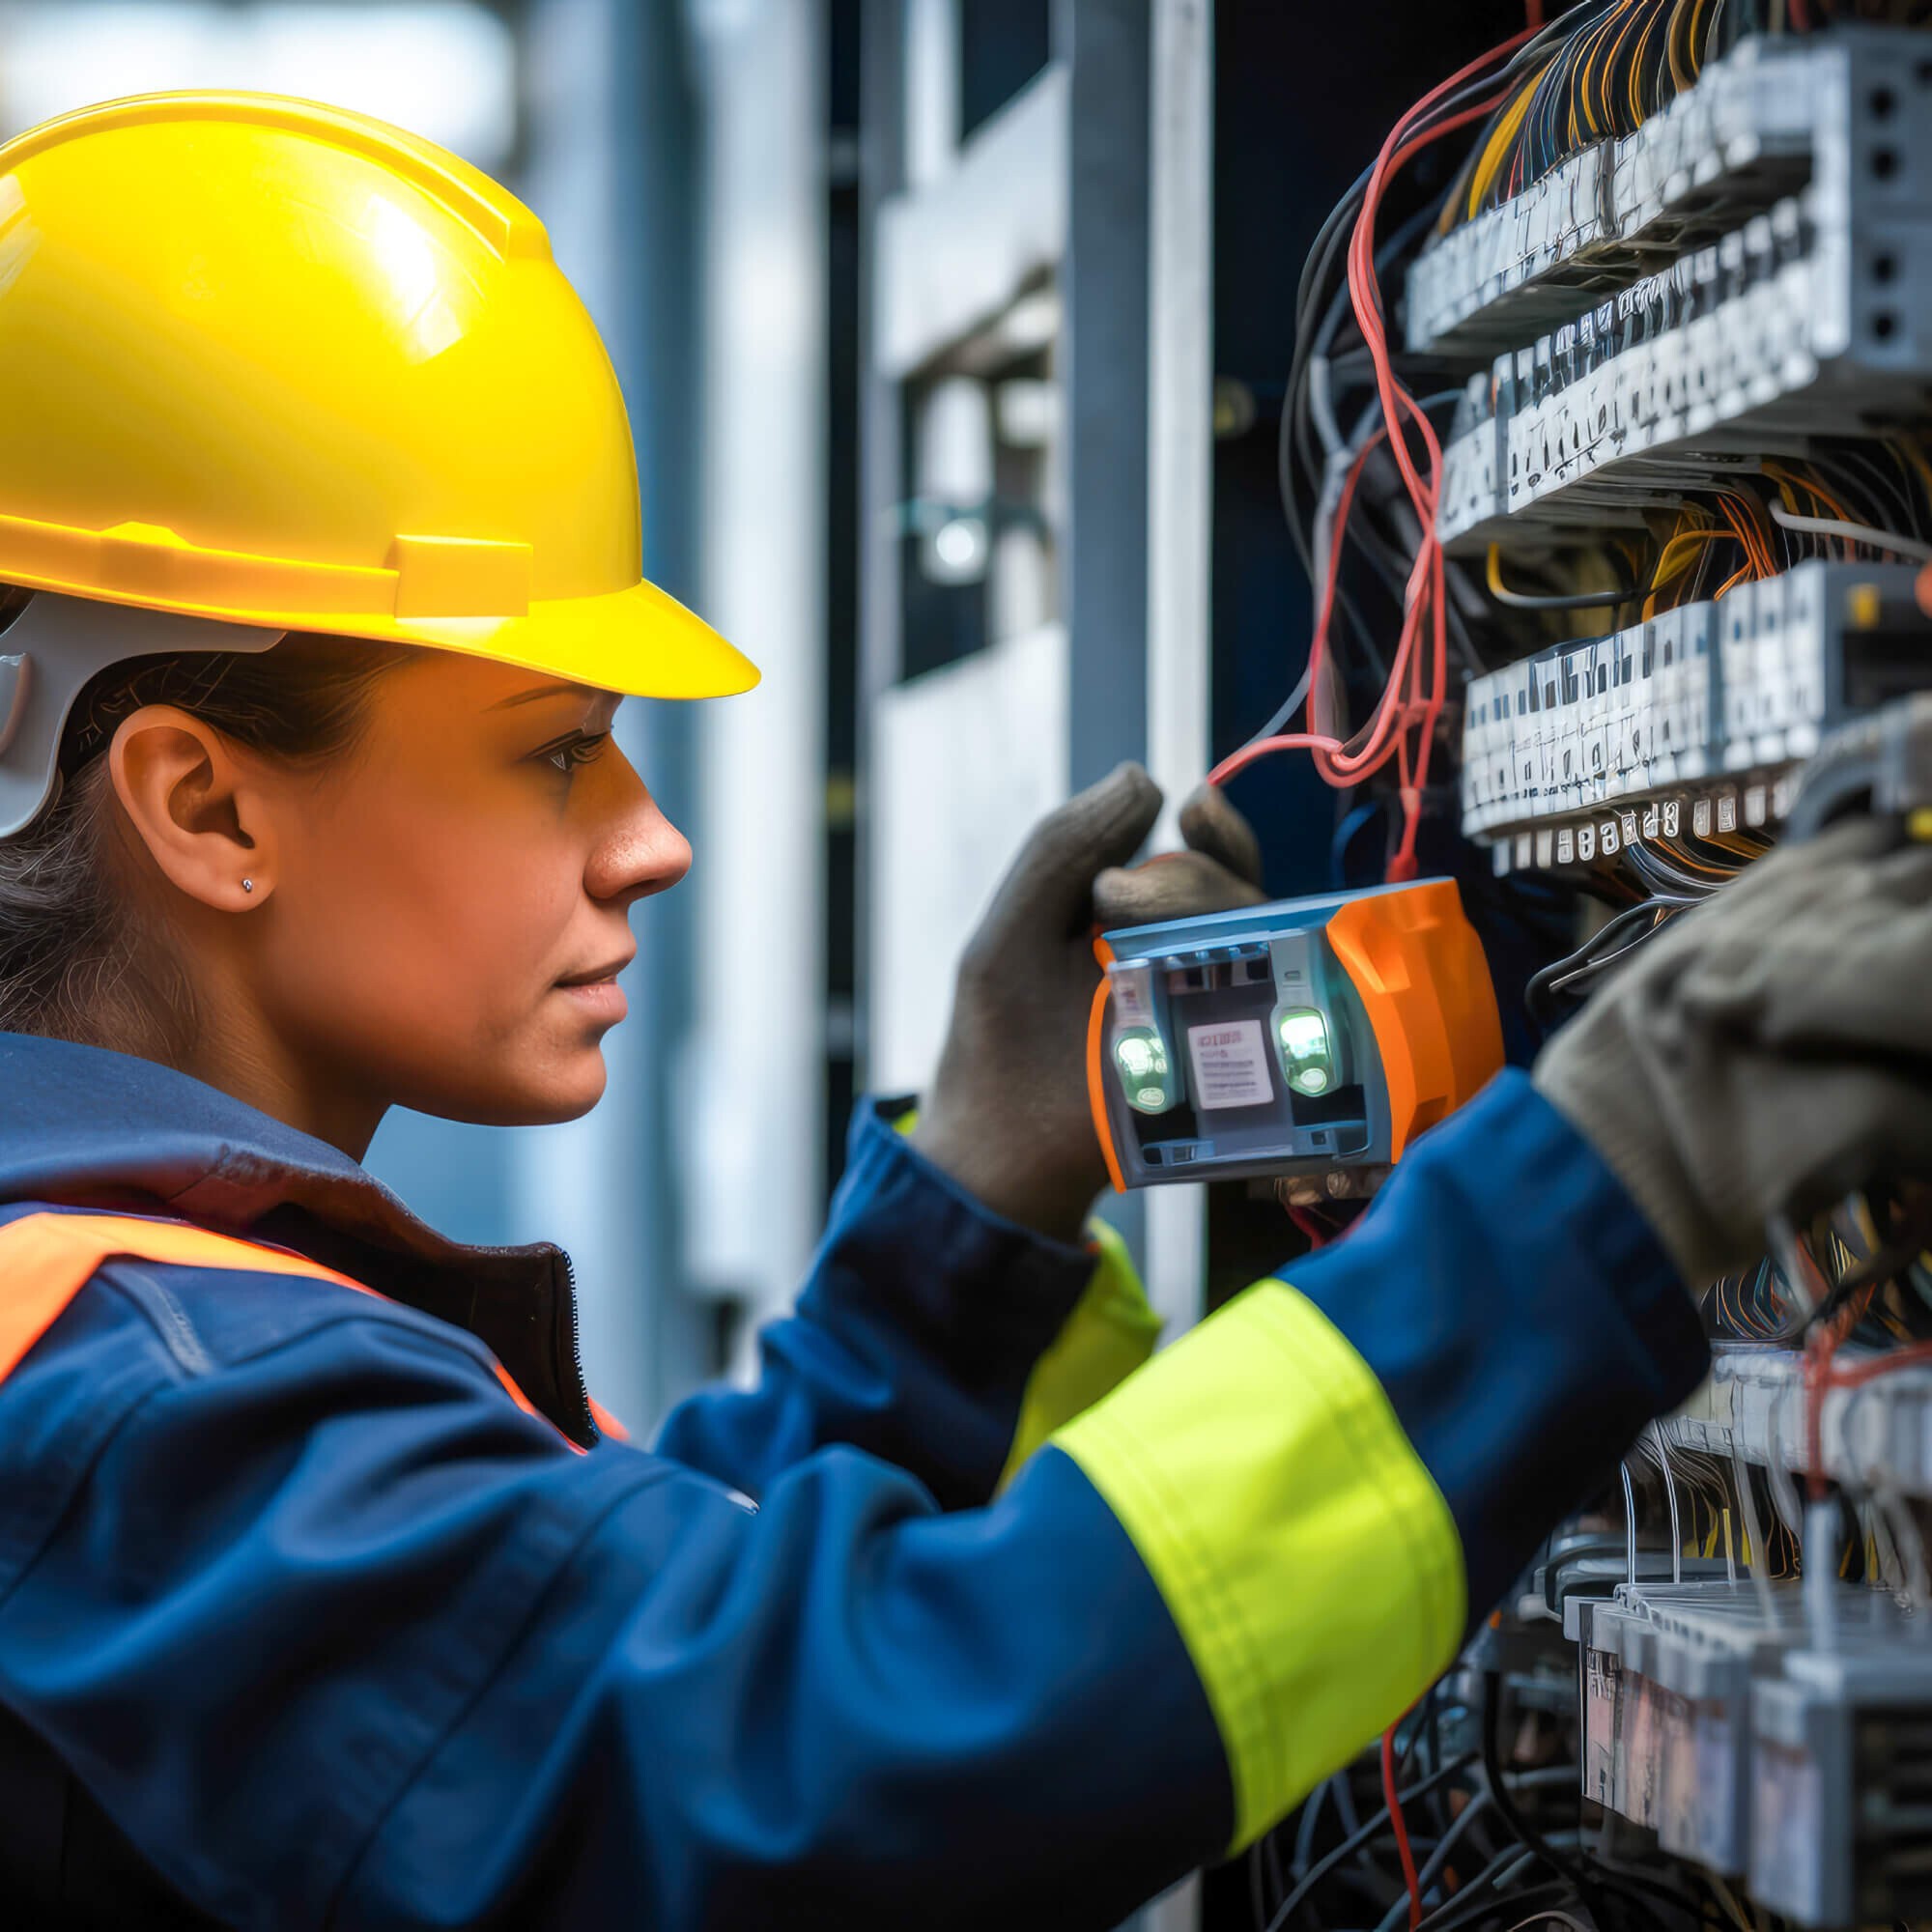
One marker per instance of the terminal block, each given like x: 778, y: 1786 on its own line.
x: 1721, y: 151
x: 1809, y: 319
x: 1748, y: 134
x: 1693, y: 721
x: 1842, y: 1803
x: 1758, y: 1746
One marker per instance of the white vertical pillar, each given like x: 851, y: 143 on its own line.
x: 753, y: 1080
x: 1180, y: 382
x: 1181, y: 379
x: 931, y: 88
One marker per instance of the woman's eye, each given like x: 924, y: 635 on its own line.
x: 582, y: 750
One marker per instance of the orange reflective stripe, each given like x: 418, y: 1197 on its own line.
x: 45, y: 1260
x: 606, y: 1423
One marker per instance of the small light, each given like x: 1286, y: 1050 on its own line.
x: 957, y: 549
x: 1141, y: 1056
x: 1308, y: 1059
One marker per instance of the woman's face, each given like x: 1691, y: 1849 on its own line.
x: 443, y: 912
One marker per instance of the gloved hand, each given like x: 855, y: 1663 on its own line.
x: 1769, y: 1051
x: 1008, y: 1114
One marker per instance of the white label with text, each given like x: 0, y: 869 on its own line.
x: 1230, y: 1066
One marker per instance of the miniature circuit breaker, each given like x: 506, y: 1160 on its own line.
x: 1305, y: 1037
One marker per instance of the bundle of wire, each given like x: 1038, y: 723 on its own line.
x: 1369, y: 491
x: 1401, y: 727
x: 1494, y: 1828
x: 1395, y: 428
x: 1629, y: 63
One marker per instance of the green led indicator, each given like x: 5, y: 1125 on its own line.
x: 1141, y: 1056
x: 1307, y: 1059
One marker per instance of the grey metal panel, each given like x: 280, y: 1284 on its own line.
x: 1107, y: 46
x: 881, y: 174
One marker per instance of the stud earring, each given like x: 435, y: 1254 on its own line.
x: 247, y: 885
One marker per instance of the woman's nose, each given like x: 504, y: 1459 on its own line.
x: 640, y: 852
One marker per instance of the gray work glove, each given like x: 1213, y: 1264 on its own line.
x: 1008, y: 1114
x: 1767, y: 1052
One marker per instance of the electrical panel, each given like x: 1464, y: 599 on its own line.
x: 1757, y: 126
x: 1693, y: 721
x: 1637, y: 516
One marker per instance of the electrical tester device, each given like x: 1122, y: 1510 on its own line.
x: 1305, y: 1037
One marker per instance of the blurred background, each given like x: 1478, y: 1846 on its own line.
x: 954, y: 334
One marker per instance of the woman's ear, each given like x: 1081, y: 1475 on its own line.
x: 195, y: 806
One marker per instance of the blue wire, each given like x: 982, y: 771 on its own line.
x: 1344, y: 832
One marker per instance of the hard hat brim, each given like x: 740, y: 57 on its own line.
x: 639, y: 642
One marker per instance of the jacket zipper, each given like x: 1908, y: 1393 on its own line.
x: 575, y: 1389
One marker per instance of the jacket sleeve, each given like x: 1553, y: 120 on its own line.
x: 336, y: 1633
x: 930, y: 1333
x: 1333, y: 1478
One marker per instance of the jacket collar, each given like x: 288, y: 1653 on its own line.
x: 86, y: 1128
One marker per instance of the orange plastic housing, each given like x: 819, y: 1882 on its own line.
x: 1097, y: 1093
x: 1418, y: 966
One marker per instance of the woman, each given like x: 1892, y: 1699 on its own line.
x: 324, y: 1595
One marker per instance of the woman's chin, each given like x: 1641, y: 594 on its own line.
x: 565, y: 1090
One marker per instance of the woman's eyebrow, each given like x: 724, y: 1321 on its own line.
x: 564, y: 688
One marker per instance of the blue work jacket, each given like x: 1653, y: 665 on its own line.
x: 325, y: 1601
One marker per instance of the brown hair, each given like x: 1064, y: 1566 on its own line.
x: 74, y: 963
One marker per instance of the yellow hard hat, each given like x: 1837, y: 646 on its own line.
x: 278, y: 364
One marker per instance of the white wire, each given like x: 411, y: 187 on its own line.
x: 1760, y: 1554
x: 1864, y: 534
x: 1910, y: 1547
x: 1670, y: 1493
x: 1630, y: 1523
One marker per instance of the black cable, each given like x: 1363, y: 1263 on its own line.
x: 1542, y: 984
x: 1461, y: 1911
x: 1366, y: 1835
x: 1898, y: 1253
x: 1588, y: 1884
x: 1470, y: 1815
x: 1511, y: 1855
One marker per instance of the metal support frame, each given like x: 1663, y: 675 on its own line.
x: 1134, y: 361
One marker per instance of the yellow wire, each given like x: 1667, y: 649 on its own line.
x: 1500, y: 138
x: 1637, y: 64
x: 1580, y: 85
x: 1681, y: 77
x: 1915, y: 456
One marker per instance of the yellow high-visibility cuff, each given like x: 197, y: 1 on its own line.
x: 1310, y: 1563
x: 1109, y: 1334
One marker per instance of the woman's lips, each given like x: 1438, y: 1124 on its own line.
x: 603, y: 997
x: 597, y: 991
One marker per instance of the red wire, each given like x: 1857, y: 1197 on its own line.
x: 1399, y: 1825
x: 1415, y: 692
x: 1822, y: 1373
x: 1318, y: 1236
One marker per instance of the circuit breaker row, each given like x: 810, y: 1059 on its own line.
x: 1737, y: 140
x: 1753, y: 1406
x: 1707, y: 691
x: 1769, y: 1731
x: 1765, y: 1742
x: 1807, y: 321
